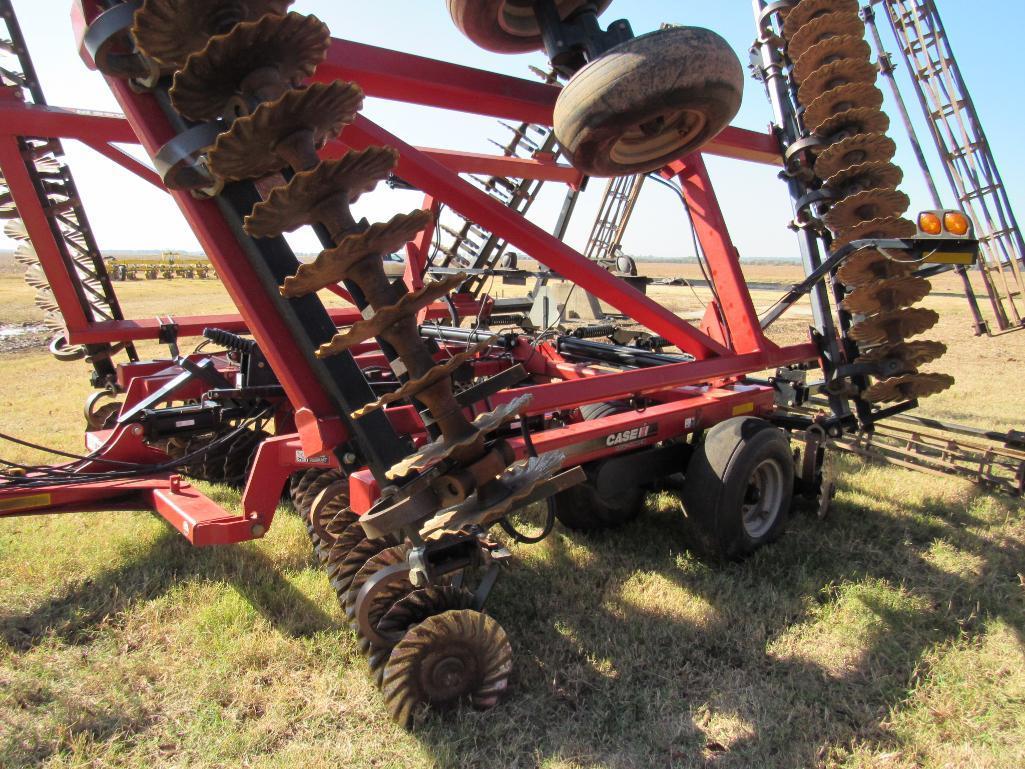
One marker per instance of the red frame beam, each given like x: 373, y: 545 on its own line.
x: 397, y: 76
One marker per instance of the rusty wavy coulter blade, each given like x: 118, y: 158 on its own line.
x: 390, y: 556
x: 342, y: 572
x: 869, y: 266
x: 822, y: 28
x: 841, y: 72
x: 888, y: 227
x: 499, y: 498
x: 471, y: 647
x: 419, y: 605
x: 169, y: 31
x: 343, y: 544
x: 296, y: 204
x: 844, y: 98
x: 894, y: 326
x: 912, y: 355
x: 15, y: 230
x: 848, y: 213
x: 852, y: 122
x: 414, y: 386
x: 333, y: 265
x: 865, y: 176
x: 386, y: 317
x: 828, y: 51
x: 889, y: 294
x: 248, y: 149
x: 808, y: 10
x: 852, y: 151
x: 443, y: 448
x: 292, y: 46
x: 908, y: 388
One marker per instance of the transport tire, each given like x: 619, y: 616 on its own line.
x: 507, y: 26
x: 739, y: 487
x: 649, y: 101
x: 582, y: 507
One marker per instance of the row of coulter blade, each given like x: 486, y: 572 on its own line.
x: 834, y: 79
x: 61, y: 203
x: 245, y: 63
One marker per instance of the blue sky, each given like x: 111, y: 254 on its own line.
x: 127, y: 213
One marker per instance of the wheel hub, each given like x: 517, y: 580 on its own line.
x: 449, y: 674
x: 763, y: 498
x: 658, y: 136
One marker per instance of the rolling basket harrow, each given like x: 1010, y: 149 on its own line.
x: 405, y: 427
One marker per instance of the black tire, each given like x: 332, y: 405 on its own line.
x: 649, y: 101
x: 507, y: 26
x: 583, y: 507
x: 739, y: 488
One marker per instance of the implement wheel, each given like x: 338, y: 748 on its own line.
x: 507, y: 26
x: 586, y: 506
x: 649, y: 101
x: 739, y: 487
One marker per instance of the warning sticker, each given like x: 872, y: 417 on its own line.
x: 25, y: 503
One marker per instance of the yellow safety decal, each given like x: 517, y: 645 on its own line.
x: 24, y: 503
x: 951, y: 257
x: 743, y: 408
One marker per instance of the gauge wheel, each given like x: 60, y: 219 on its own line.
x: 649, y: 101
x: 507, y: 26
x: 739, y: 488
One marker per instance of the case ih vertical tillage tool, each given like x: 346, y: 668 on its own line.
x: 406, y: 427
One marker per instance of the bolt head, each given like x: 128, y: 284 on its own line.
x: 258, y: 529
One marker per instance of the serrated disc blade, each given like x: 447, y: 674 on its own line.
x: 893, y: 326
x: 850, y: 212
x: 884, y: 295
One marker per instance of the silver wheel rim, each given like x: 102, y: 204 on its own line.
x: 763, y: 498
x: 658, y: 137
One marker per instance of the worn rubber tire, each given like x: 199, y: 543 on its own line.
x: 690, y: 74
x: 506, y: 26
x: 581, y: 507
x: 718, y: 483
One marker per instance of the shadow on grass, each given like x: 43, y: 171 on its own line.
x: 611, y: 675
x: 78, y: 613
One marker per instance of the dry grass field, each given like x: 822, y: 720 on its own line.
x: 891, y: 634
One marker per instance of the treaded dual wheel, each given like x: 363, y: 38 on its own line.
x: 508, y: 26
x: 739, y: 487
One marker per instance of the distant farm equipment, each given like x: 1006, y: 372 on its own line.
x: 170, y: 265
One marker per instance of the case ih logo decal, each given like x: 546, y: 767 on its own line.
x: 629, y: 436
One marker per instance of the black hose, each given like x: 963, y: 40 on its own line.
x: 506, y: 525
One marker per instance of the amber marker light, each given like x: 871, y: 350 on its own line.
x: 930, y: 223
x: 956, y: 223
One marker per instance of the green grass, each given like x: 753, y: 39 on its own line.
x: 890, y: 634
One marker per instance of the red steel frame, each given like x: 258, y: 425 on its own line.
x: 688, y: 396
